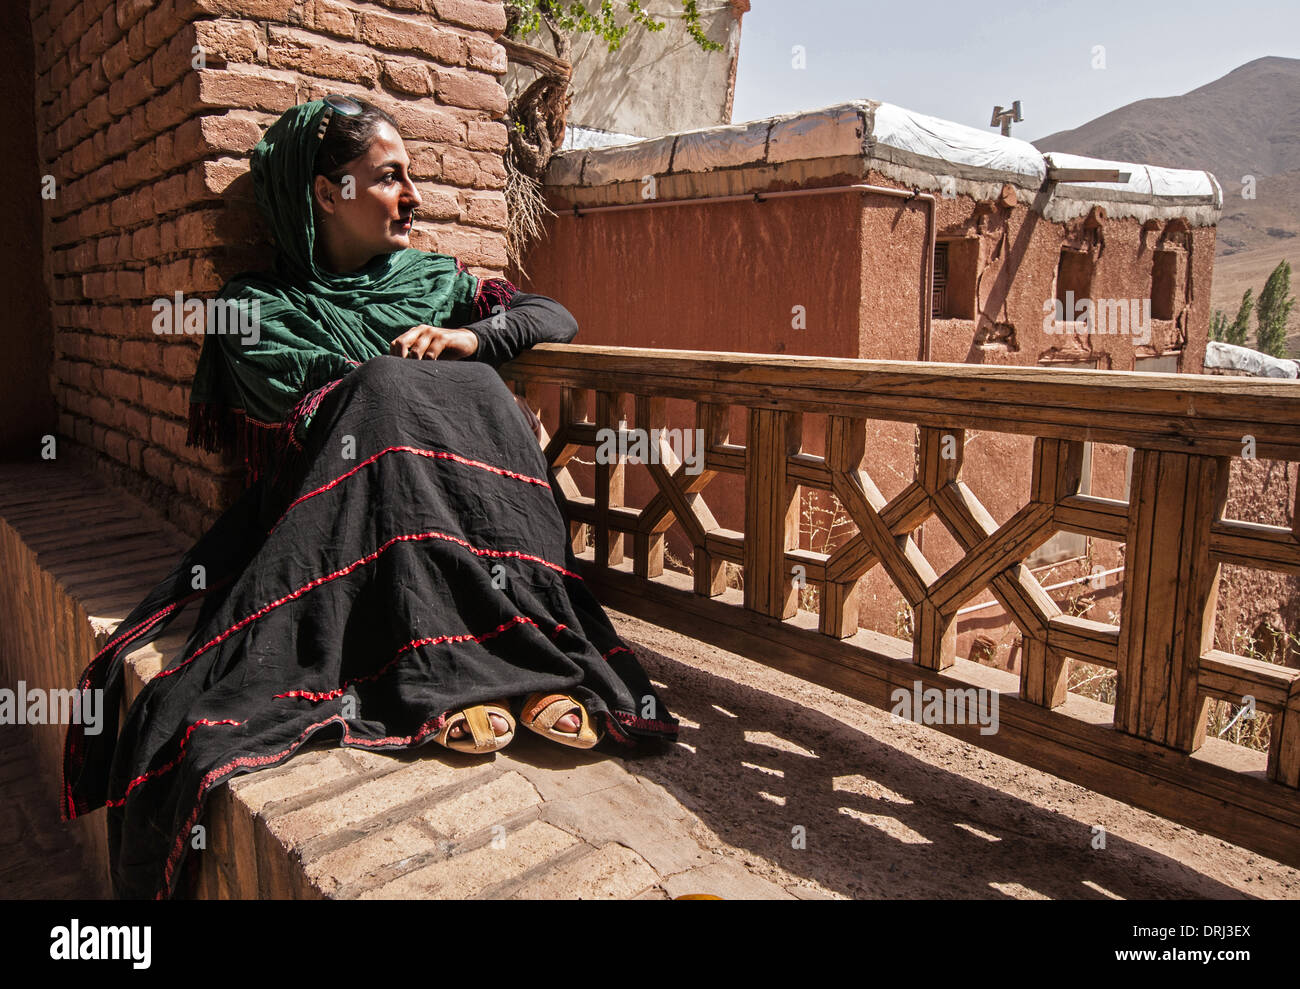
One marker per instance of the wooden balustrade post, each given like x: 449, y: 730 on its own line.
x: 846, y: 449
x: 648, y: 546
x: 715, y: 423
x: 609, y: 481
x: 1284, y: 742
x: 1058, y: 473
x: 940, y: 452
x: 1284, y: 739
x: 771, y: 511
x: 934, y: 637
x: 1170, y: 595
x: 573, y: 409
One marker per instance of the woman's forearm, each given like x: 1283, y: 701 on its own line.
x: 530, y: 319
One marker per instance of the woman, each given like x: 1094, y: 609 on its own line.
x: 399, y: 569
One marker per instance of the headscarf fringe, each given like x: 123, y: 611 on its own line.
x: 218, y: 429
x: 492, y: 292
x: 288, y: 455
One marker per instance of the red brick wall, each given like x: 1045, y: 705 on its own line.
x: 150, y: 155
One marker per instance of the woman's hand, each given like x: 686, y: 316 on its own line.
x: 434, y: 342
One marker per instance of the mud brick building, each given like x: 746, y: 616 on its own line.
x: 870, y: 231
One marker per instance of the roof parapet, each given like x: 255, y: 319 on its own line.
x: 914, y: 149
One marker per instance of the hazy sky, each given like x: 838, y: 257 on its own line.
x: 957, y: 59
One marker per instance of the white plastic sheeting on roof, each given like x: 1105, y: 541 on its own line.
x: 1227, y: 356
x: 953, y: 143
x: 589, y: 137
x: 1144, y: 180
x: 912, y: 149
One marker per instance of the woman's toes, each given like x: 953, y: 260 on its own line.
x: 500, y: 726
x: 570, y: 723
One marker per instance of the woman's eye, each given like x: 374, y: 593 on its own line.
x: 389, y: 177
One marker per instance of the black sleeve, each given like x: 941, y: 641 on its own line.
x: 529, y: 319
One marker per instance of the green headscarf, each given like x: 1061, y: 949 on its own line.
x: 313, y: 325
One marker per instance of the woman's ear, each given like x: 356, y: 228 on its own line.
x: 323, y: 193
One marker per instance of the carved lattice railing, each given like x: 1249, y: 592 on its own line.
x: 1183, y: 429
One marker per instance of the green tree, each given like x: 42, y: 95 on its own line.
x: 1240, y: 328
x: 1218, y: 325
x: 1274, y: 309
x: 577, y: 18
x: 536, y: 115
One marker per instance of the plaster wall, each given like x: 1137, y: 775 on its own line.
x: 657, y: 82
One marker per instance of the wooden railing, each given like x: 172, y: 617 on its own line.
x: 1184, y: 430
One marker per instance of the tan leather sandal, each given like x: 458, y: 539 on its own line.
x: 482, y: 738
x: 541, y: 712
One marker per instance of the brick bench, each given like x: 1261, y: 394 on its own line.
x: 535, y: 820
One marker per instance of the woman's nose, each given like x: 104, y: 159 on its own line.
x: 412, y: 195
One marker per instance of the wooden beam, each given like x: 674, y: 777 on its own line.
x: 1084, y: 639
x: 1043, y: 673
x: 1113, y: 175
x: 1101, y: 518
x: 1249, y: 544
x: 1003, y: 550
x: 901, y: 516
x: 1058, y: 470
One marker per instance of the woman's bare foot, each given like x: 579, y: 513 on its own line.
x: 499, y: 727
x: 569, y: 723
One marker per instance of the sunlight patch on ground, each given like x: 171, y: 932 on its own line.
x: 1017, y: 892
x: 867, y: 788
x: 891, y: 826
x: 772, y: 797
x: 976, y: 831
x: 777, y: 742
x: 1102, y: 890
x: 722, y: 710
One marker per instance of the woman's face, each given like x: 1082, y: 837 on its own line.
x: 369, y: 211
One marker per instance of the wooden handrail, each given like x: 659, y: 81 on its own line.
x: 1186, y: 413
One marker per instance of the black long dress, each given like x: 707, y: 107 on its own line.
x: 415, y: 560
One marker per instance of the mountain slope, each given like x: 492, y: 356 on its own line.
x: 1245, y: 123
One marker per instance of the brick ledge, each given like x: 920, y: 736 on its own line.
x: 533, y: 821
